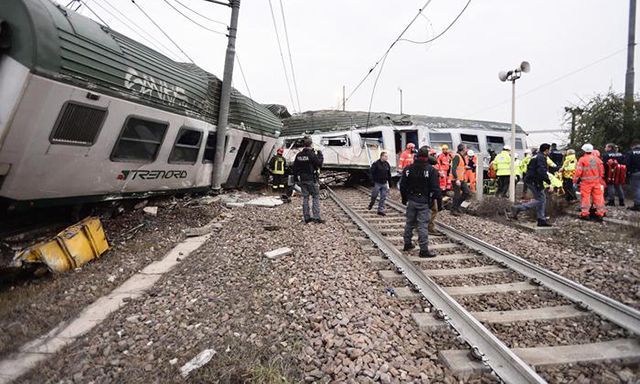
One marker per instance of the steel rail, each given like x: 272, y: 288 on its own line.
x: 504, y: 362
x: 608, y: 308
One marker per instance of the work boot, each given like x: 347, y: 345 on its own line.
x: 380, y: 213
x: 426, y: 254
x: 408, y: 247
x: 621, y: 203
x: 599, y: 219
x: 307, y: 220
x: 371, y: 204
x: 543, y: 223
x: 611, y: 204
x: 513, y: 215
x: 318, y: 221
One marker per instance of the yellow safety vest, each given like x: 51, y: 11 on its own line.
x: 502, y: 164
x: 569, y: 166
x: 278, y: 165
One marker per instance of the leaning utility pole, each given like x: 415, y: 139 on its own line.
x: 629, y: 83
x: 225, y: 98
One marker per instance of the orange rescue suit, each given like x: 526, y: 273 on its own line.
x: 406, y: 159
x: 470, y: 174
x: 590, y: 171
x: 443, y: 163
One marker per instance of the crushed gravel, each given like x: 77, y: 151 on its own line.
x: 590, y: 373
x: 507, y: 301
x: 479, y: 279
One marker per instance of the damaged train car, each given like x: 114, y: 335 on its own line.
x: 88, y: 114
x: 351, y: 141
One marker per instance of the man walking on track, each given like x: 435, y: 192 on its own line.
x: 535, y: 178
x: 590, y: 175
x: 306, y: 168
x: 380, y: 173
x: 419, y: 187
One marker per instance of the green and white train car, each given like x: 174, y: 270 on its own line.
x: 88, y: 114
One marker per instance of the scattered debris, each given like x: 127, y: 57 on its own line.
x: 278, y: 253
x: 203, y: 358
x: 153, y: 211
x: 141, y: 204
x: 266, y: 201
x: 69, y: 249
x: 234, y: 205
x: 200, y: 231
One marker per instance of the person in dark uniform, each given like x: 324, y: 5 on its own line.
x: 633, y: 170
x: 380, y: 174
x: 419, y: 187
x: 556, y: 156
x: 306, y: 169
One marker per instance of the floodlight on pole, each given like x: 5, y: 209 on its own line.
x: 512, y: 76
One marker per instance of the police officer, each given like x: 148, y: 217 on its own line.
x: 419, y: 187
x: 306, y: 169
x: 633, y: 169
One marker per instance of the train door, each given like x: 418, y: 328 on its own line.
x: 243, y: 163
x: 403, y: 138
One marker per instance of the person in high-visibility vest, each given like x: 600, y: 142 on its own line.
x: 524, y: 165
x: 460, y: 188
x: 589, y: 175
x: 470, y: 174
x: 568, y: 169
x: 502, y: 165
x: 406, y: 157
x: 277, y: 166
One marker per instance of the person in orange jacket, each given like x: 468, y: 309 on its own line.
x: 470, y: 174
x: 406, y: 157
x: 443, y: 162
x: 590, y: 175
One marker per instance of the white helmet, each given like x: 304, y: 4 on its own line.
x: 470, y: 152
x: 587, y: 148
x: 516, y: 156
x: 506, y: 148
x: 527, y: 151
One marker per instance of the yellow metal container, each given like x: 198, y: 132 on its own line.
x: 70, y: 249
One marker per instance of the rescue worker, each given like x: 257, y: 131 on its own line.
x: 502, y: 165
x: 437, y: 204
x: 556, y: 156
x: 568, y: 170
x: 406, y: 157
x: 589, y: 175
x: 524, y: 164
x: 517, y: 167
x: 470, y: 175
x: 614, y: 174
x: 535, y: 178
x: 444, y: 159
x: 633, y: 170
x: 460, y: 187
x: 380, y: 173
x: 277, y: 166
x: 306, y: 169
x: 419, y: 187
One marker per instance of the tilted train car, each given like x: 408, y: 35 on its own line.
x: 88, y: 114
x: 350, y: 141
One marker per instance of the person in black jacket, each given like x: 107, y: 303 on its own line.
x: 536, y: 176
x: 419, y: 187
x: 380, y: 173
x: 306, y: 169
x: 556, y: 156
x: 633, y: 170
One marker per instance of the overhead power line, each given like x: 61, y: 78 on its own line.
x: 193, y: 21
x: 389, y: 49
x: 91, y: 10
x: 444, y: 31
x: 201, y: 15
x: 284, y: 65
x: 293, y: 73
x: 163, y: 32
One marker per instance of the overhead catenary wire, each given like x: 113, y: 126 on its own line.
x: 162, y: 30
x: 293, y: 72
x: 193, y: 21
x: 444, y: 31
x: 284, y: 65
x: 82, y: 2
x: 389, y: 49
x: 201, y: 15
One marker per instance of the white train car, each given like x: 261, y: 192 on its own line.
x: 352, y: 140
x: 87, y: 114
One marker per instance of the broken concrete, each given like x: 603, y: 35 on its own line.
x: 152, y: 211
x: 278, y: 253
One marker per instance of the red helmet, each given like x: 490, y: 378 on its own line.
x: 280, y: 151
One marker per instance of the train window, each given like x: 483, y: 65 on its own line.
x: 371, y: 135
x: 210, y: 147
x: 438, y: 139
x: 187, y: 146
x: 495, y: 144
x: 294, y: 143
x: 519, y: 143
x: 335, y: 141
x: 471, y: 141
x: 140, y: 140
x: 78, y: 124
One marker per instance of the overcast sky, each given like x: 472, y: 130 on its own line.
x: 336, y: 42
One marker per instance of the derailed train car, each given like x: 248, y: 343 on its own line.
x: 350, y: 141
x: 88, y: 114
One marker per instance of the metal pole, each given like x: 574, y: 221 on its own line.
x: 225, y: 98
x: 512, y: 176
x: 479, y: 177
x: 400, y: 89
x: 629, y: 83
x: 344, y: 101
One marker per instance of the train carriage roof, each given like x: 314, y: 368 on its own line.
x: 331, y: 120
x: 60, y: 44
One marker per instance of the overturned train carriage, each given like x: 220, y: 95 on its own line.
x: 87, y: 114
x: 350, y: 141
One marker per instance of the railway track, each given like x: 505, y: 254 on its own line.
x: 465, y: 285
